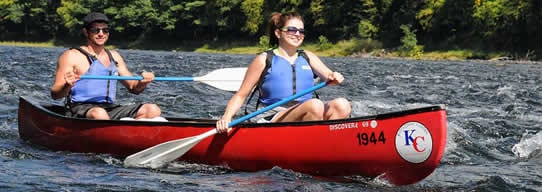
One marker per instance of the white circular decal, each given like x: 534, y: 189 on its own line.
x: 373, y: 124
x: 413, y: 142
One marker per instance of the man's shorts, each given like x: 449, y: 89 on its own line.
x: 115, y: 111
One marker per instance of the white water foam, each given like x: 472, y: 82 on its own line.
x: 528, y: 144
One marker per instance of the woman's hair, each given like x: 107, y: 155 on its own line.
x: 277, y: 21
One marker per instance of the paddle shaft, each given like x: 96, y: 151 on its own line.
x: 269, y: 107
x: 228, y: 79
x: 225, y: 74
x: 104, y: 77
x: 262, y: 110
x: 158, y: 155
x: 281, y: 102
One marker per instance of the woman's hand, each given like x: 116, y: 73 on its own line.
x: 222, y: 125
x: 335, y: 78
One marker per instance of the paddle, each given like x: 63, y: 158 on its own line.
x: 228, y: 79
x: 159, y: 155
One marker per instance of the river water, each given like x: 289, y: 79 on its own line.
x: 494, y: 123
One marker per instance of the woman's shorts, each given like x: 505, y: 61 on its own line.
x: 268, y: 116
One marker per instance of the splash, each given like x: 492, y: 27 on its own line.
x: 527, y: 145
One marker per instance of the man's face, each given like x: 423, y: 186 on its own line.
x: 97, y: 33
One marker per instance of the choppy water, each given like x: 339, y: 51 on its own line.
x: 494, y: 124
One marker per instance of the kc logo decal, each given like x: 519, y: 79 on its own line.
x: 413, y: 142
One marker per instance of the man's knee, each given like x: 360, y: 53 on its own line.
x: 97, y: 113
x: 149, y: 110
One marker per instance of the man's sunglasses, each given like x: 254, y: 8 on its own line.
x: 96, y: 30
x: 293, y: 30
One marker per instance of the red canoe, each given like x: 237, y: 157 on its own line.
x: 402, y: 147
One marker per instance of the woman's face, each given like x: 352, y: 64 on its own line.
x: 292, y: 34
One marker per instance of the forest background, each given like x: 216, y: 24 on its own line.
x: 441, y: 29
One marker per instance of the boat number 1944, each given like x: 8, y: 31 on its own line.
x: 371, y: 138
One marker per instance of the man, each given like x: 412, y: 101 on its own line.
x: 94, y: 98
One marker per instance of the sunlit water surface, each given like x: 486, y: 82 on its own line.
x: 494, y: 124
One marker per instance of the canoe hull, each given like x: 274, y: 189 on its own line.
x: 402, y: 147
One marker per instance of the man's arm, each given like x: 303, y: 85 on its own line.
x: 65, y: 75
x: 134, y: 86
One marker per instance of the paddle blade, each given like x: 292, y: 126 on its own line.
x: 228, y: 79
x: 159, y: 155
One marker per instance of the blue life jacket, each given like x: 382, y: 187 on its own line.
x: 283, y: 79
x: 268, y: 62
x: 95, y: 90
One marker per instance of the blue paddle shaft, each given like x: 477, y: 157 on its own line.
x: 281, y: 102
x: 158, y: 155
x: 105, y: 77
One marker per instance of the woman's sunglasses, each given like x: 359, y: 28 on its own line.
x: 293, y: 30
x: 96, y: 30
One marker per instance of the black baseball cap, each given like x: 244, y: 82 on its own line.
x: 94, y: 17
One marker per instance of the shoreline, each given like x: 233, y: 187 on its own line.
x: 429, y: 56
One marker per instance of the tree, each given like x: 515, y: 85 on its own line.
x: 29, y: 17
x: 253, y: 11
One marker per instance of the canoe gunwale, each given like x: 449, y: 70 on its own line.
x: 46, y: 107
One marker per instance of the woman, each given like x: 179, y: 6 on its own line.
x: 287, y: 31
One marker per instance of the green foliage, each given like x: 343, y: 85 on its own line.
x: 366, y: 29
x: 323, y: 43
x: 27, y: 44
x: 370, y: 10
x: 264, y: 42
x: 488, y: 15
x: 72, y: 13
x: 10, y: 10
x: 17, y: 12
x: 196, y: 8
x: 409, y: 42
x: 492, y: 25
x: 146, y: 15
x: 338, y: 19
x: 430, y: 10
x: 357, y: 46
x: 417, y: 52
x: 253, y: 11
x: 317, y: 8
x: 228, y: 13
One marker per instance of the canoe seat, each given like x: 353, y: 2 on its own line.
x: 59, y: 109
x: 144, y: 119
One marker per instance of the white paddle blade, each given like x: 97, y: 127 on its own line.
x: 141, y: 158
x: 159, y: 155
x: 228, y: 79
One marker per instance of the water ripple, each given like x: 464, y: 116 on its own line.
x: 494, y: 124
